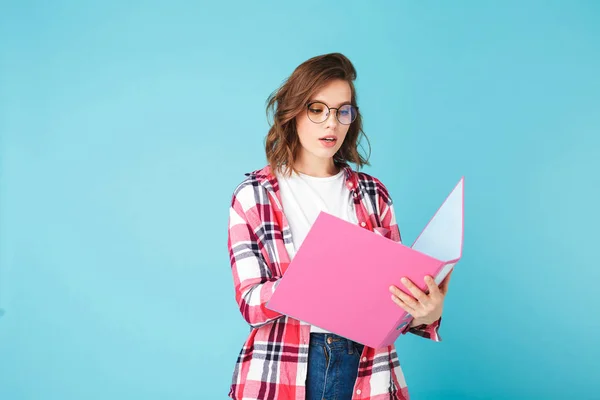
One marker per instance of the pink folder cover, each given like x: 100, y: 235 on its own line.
x: 339, y: 278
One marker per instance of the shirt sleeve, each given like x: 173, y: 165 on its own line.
x: 388, y: 219
x: 252, y: 277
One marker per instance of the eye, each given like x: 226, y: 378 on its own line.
x: 346, y: 110
x: 316, y: 110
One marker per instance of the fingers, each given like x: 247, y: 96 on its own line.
x: 421, y: 302
x: 403, y: 305
x: 445, y: 283
x: 434, y: 290
x: 403, y: 300
x: 414, y: 290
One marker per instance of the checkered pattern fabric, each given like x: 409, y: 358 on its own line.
x: 272, y: 363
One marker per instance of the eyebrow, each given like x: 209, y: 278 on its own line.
x: 324, y: 102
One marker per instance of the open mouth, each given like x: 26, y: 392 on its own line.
x: 328, y: 142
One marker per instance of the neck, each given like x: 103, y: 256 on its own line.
x: 317, y: 167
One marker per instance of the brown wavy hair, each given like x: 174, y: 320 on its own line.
x: 282, y: 144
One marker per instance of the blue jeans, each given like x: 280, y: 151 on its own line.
x: 332, y: 367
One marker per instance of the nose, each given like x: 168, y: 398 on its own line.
x: 331, y: 120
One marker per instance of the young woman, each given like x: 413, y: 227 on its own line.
x: 309, y: 148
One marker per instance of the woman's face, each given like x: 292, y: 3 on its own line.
x: 315, y: 148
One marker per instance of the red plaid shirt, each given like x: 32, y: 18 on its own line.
x: 273, y: 361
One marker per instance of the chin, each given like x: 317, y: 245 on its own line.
x: 325, y: 153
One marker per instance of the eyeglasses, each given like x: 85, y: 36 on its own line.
x: 319, y: 112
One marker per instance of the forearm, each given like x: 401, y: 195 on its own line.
x: 252, y: 301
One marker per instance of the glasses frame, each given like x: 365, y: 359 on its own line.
x: 310, y: 103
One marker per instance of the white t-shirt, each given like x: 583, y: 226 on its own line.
x: 304, y: 197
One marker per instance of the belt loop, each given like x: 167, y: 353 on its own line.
x: 350, y: 346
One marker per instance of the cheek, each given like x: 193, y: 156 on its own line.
x: 304, y: 129
x: 344, y: 133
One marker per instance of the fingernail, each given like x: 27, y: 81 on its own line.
x: 403, y: 280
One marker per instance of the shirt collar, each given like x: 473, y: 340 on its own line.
x: 266, y: 177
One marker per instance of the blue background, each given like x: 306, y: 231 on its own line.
x: 125, y: 128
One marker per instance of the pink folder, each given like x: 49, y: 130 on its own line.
x: 339, y: 278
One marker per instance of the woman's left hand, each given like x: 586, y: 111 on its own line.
x: 425, y: 308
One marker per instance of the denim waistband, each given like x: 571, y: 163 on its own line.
x: 334, y: 341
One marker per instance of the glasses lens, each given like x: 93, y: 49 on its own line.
x: 317, y: 112
x: 347, y: 114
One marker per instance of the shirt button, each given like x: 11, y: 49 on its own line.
x: 363, y: 224
x: 364, y: 358
x: 358, y: 391
x: 350, y: 184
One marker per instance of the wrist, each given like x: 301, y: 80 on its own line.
x: 416, y: 322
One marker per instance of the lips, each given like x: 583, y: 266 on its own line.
x: 329, y: 139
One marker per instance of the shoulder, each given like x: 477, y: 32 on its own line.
x: 250, y: 190
x: 373, y: 186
